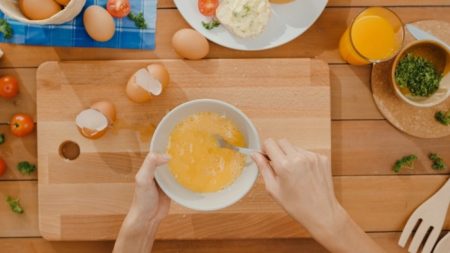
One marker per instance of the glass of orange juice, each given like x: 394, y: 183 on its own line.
x: 375, y: 35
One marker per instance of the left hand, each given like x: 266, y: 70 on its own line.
x: 150, y: 202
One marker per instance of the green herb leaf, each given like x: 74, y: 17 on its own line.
x: 443, y: 117
x: 2, y: 138
x: 438, y: 163
x: 5, y: 29
x: 404, y: 162
x: 211, y: 24
x: 138, y: 20
x: 418, y: 75
x: 14, y: 204
x: 26, y: 168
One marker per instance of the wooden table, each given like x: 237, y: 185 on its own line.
x: 364, y: 144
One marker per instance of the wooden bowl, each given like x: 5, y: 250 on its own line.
x: 11, y: 9
x: 434, y: 52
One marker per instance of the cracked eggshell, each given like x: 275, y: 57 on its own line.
x: 93, y: 122
x: 147, y: 82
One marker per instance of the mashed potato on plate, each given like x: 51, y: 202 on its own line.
x: 245, y: 18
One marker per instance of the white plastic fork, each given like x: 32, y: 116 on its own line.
x: 443, y: 245
x: 431, y: 214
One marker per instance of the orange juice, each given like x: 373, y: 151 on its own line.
x: 375, y: 35
x: 197, y: 162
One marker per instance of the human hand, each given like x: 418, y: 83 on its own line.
x: 300, y: 181
x: 150, y: 202
x: 150, y: 205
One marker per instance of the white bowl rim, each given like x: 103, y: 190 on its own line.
x: 251, y: 180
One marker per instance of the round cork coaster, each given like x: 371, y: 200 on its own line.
x: 407, y: 118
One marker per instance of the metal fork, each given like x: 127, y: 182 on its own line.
x: 246, y: 151
x: 443, y: 245
x: 432, y: 214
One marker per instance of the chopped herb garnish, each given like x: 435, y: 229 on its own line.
x: 14, y: 204
x: 438, y: 163
x: 26, y: 167
x: 138, y: 20
x: 5, y: 29
x: 418, y: 75
x: 2, y: 138
x: 211, y: 24
x: 405, y: 162
x: 443, y: 117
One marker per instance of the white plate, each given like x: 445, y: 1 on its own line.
x: 288, y: 21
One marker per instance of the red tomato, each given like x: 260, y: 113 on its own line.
x: 9, y: 87
x: 118, y: 8
x: 21, y: 125
x: 2, y: 167
x: 208, y: 7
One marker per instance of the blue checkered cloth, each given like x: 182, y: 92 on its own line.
x: 73, y: 34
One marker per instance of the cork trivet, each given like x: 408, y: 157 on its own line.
x: 409, y: 119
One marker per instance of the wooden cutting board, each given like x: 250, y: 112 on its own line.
x: 87, y: 199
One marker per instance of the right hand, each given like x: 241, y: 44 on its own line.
x: 301, y: 182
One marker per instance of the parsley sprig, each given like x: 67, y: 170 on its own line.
x: 404, y: 162
x: 138, y: 20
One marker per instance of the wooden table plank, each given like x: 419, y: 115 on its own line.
x: 377, y: 203
x: 320, y: 41
x: 15, y: 150
x: 19, y: 225
x: 372, y: 147
x: 25, y: 102
x: 388, y: 241
x: 346, y: 3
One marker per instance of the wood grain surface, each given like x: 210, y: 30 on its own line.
x: 354, y: 113
x: 283, y: 97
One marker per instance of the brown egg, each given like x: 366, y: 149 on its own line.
x: 93, y: 123
x: 63, y: 2
x: 99, y: 24
x: 190, y: 44
x: 39, y: 9
x: 147, y: 83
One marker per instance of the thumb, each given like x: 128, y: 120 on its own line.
x: 266, y: 170
x: 151, y: 162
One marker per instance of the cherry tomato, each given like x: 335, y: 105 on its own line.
x: 21, y: 125
x: 9, y: 87
x: 118, y: 8
x: 2, y: 167
x: 208, y: 7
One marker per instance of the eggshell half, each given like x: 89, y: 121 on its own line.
x: 63, y: 2
x: 91, y: 123
x: 106, y: 108
x: 147, y: 82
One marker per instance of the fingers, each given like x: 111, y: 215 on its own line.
x: 275, y: 154
x: 151, y: 162
x: 289, y: 149
x: 266, y: 170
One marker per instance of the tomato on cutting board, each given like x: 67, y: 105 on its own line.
x: 9, y: 87
x: 2, y: 167
x: 208, y: 7
x: 21, y: 125
x: 118, y: 8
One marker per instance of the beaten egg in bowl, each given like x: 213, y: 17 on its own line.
x: 223, y: 182
x: 197, y: 161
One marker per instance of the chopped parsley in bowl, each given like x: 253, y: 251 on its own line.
x: 418, y: 75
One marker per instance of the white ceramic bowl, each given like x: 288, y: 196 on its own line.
x: 205, y: 201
